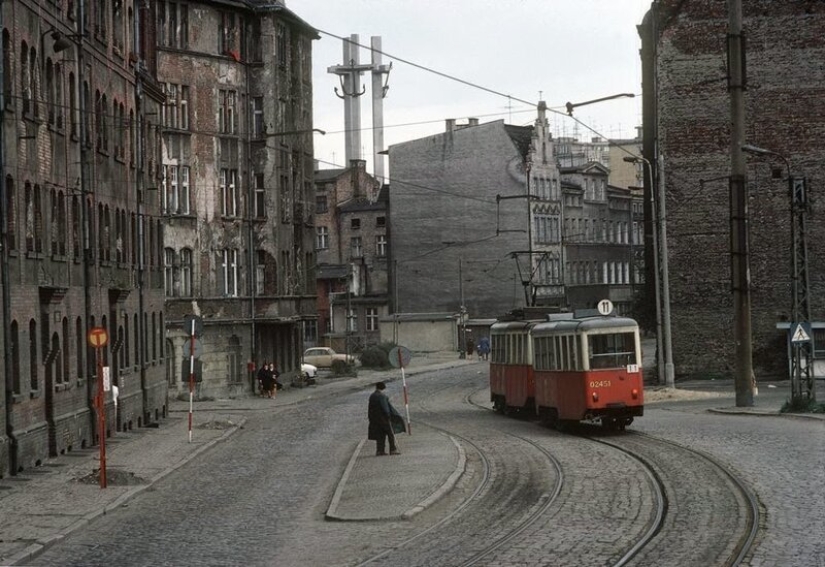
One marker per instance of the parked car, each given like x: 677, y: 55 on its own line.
x: 323, y: 357
x: 309, y: 371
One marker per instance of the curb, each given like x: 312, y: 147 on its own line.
x: 332, y: 511
x: 35, y: 549
x: 448, y: 485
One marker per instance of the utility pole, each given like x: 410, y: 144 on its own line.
x: 740, y: 271
x: 462, y: 311
x: 670, y: 379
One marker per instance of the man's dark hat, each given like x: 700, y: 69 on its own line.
x: 380, y: 385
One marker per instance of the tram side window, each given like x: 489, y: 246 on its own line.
x: 541, y: 351
x: 612, y: 351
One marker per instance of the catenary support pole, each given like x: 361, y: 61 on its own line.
x: 740, y: 270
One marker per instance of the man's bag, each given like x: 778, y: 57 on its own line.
x: 398, y: 425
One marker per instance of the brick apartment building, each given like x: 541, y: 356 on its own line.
x: 81, y: 231
x: 352, y: 247
x: 237, y: 187
x: 687, y: 131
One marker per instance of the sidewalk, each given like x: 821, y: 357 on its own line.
x: 41, y: 506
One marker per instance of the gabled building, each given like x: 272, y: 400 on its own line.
x: 352, y: 246
x: 483, y: 217
x: 81, y: 226
x: 236, y: 189
x: 602, y: 226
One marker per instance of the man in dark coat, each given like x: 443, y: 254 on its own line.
x: 262, y: 379
x: 379, y: 413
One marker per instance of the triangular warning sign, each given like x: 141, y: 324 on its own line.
x: 800, y: 336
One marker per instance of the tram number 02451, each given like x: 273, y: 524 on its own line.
x: 600, y: 383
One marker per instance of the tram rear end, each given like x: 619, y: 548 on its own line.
x: 588, y: 368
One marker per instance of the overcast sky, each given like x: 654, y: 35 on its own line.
x: 559, y: 50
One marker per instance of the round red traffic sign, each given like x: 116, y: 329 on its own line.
x: 97, y: 337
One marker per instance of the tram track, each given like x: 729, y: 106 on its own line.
x: 693, y: 510
x: 480, y: 498
x: 729, y: 551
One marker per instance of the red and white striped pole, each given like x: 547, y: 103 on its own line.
x: 191, y: 376
x: 406, y: 397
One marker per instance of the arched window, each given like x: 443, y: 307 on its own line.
x: 50, y: 102
x: 33, y: 378
x: 106, y: 237
x: 169, y: 271
x: 186, y: 272
x: 26, y: 94
x: 75, y: 227
x: 58, y: 96
x: 64, y: 351
x: 11, y: 215
x: 55, y: 364
x: 234, y: 359
x: 137, y: 339
x: 80, y: 340
x: 61, y: 224
x: 72, y: 106
x: 7, y: 72
x: 14, y: 340
x: 126, y: 345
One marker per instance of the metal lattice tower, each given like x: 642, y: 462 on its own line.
x: 802, y: 379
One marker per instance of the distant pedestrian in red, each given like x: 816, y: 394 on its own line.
x: 380, y: 412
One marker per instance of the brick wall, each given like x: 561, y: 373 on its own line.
x: 785, y: 112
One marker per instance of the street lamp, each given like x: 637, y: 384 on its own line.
x: 571, y: 105
x: 664, y: 340
x: 801, y: 349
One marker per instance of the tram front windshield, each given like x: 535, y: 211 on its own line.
x: 616, y: 350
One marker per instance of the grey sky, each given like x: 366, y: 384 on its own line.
x: 570, y: 50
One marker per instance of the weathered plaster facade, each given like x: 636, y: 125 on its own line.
x: 352, y: 246
x: 237, y: 191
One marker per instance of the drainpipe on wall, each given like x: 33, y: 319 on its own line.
x: 253, y: 271
x: 140, y: 192
x: 84, y: 221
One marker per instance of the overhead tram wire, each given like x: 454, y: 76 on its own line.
x: 460, y: 80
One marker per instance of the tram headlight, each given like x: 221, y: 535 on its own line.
x: 595, y: 396
x: 635, y: 393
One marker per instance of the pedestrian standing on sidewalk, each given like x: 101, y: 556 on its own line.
x: 483, y: 348
x: 268, y: 381
x: 380, y: 412
x: 275, y: 384
x: 262, y: 378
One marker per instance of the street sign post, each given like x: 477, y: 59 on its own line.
x: 400, y: 357
x: 193, y: 324
x: 98, y: 338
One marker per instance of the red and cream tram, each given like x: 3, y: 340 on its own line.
x: 512, y: 387
x: 568, y: 367
x: 588, y: 368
